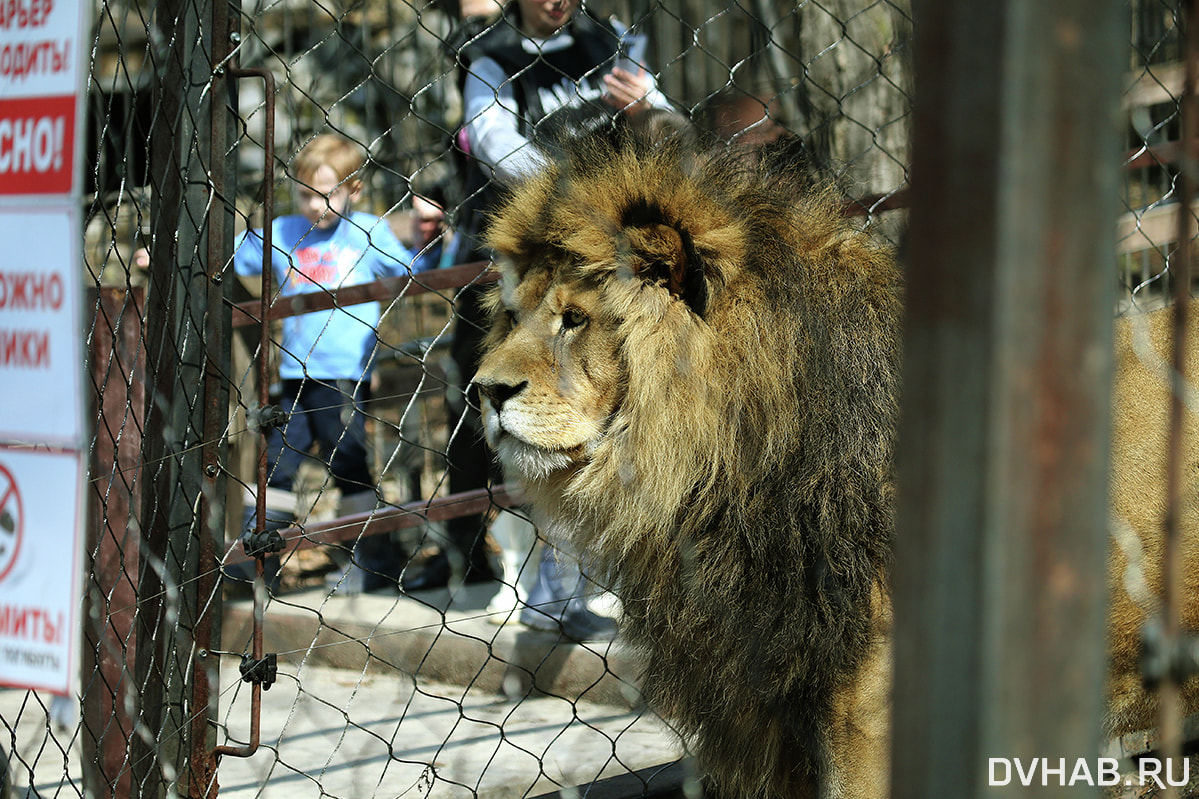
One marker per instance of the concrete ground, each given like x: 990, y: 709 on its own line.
x: 333, y: 732
x: 390, y: 696
x: 434, y: 636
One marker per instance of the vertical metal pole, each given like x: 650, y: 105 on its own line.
x: 159, y: 469
x: 1003, y: 448
x: 111, y: 599
x: 185, y: 346
x: 218, y: 242
x: 1170, y: 720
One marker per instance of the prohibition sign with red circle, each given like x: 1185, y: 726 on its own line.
x: 12, y: 520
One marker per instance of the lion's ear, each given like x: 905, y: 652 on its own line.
x: 666, y: 255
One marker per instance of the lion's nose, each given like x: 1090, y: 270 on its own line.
x: 499, y: 393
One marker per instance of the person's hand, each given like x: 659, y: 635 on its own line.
x: 627, y: 90
x: 141, y: 258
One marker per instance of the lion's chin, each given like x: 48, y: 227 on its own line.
x: 527, y: 461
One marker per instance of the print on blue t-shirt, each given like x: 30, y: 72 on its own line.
x: 336, y: 344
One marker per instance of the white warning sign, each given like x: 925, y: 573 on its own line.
x: 39, y: 569
x: 40, y: 90
x: 43, y: 431
x: 41, y: 350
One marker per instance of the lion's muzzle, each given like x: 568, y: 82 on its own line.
x: 525, y: 431
x: 493, y: 394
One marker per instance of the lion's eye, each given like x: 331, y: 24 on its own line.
x: 511, y: 317
x: 572, y: 318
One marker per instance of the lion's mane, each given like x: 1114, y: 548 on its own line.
x: 741, y: 499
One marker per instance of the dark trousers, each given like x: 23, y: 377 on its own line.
x: 470, y: 463
x: 329, y: 415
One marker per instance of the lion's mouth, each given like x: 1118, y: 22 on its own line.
x: 519, y: 457
x: 528, y: 461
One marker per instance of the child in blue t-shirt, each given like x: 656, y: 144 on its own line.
x: 325, y: 356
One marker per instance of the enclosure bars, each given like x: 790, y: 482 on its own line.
x: 412, y: 514
x: 1002, y: 452
x: 201, y: 765
x: 258, y: 543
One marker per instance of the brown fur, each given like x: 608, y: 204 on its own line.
x: 1141, y: 403
x: 693, y: 370
x: 734, y: 478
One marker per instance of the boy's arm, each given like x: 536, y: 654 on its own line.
x: 493, y: 124
x: 389, y: 258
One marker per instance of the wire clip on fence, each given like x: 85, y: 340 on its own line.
x: 262, y: 671
x: 260, y: 543
x: 1164, y: 657
x: 259, y: 419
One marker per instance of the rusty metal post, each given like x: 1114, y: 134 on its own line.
x: 1003, y: 449
x: 218, y: 243
x: 113, y: 543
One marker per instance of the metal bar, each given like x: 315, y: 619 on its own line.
x: 377, y: 290
x: 1000, y: 555
x: 205, y: 676
x: 113, y: 545
x: 166, y: 518
x: 264, y: 381
x: 412, y: 514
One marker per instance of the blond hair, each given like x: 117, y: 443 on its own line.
x: 345, y: 157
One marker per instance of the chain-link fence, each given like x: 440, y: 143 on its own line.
x: 1148, y: 227
x: 389, y: 648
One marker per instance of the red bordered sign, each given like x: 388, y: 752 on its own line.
x: 43, y: 435
x: 41, y: 89
x: 12, y: 521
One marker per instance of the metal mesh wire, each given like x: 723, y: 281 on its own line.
x: 1148, y: 224
x: 387, y: 693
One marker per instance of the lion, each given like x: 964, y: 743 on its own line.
x: 693, y: 370
x: 1141, y: 431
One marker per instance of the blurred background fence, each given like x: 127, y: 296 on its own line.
x: 195, y: 110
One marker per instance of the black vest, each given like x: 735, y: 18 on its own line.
x: 556, y: 92
x: 552, y: 88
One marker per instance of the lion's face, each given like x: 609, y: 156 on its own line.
x: 550, y: 381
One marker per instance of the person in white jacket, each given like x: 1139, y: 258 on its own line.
x: 543, y: 69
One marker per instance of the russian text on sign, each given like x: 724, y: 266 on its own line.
x: 30, y: 291
x: 33, y: 624
x: 25, y: 59
x: 24, y: 13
